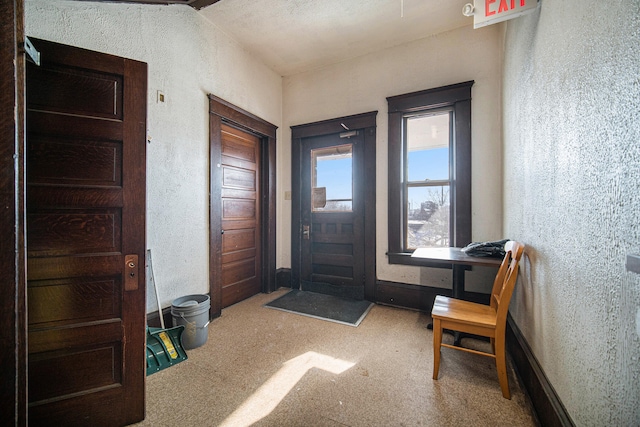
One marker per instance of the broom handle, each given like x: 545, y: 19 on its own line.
x: 155, y: 288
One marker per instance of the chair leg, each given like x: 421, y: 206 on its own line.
x: 501, y: 366
x: 437, y: 341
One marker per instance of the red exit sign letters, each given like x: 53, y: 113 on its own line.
x: 487, y: 12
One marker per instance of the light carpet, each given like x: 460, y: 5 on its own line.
x: 263, y: 367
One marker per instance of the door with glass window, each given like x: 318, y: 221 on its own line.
x: 332, y: 215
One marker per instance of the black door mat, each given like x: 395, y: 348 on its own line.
x: 320, y: 306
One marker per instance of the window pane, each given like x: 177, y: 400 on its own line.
x: 428, y: 217
x: 428, y: 147
x: 332, y: 179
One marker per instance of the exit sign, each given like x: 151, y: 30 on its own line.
x: 487, y: 12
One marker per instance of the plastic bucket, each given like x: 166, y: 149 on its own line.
x: 192, y: 311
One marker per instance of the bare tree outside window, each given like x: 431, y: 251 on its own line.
x: 428, y: 221
x: 428, y: 203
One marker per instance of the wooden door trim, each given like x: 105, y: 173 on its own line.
x: 221, y: 111
x: 13, y: 321
x: 367, y: 123
x: 135, y: 130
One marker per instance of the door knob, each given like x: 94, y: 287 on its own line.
x: 131, y: 272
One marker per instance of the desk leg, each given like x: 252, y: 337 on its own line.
x: 458, y: 281
x: 457, y: 291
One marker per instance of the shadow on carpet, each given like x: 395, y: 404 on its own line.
x: 320, y: 306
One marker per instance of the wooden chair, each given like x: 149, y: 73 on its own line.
x: 479, y: 319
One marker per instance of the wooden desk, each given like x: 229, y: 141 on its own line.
x: 455, y: 259
x: 458, y: 261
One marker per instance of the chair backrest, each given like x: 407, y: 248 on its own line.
x: 505, y: 280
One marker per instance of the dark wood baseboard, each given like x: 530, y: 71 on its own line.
x: 283, y: 278
x: 153, y: 318
x: 546, y: 403
x: 407, y: 296
x: 417, y: 297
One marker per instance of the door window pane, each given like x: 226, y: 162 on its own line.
x: 332, y: 179
x: 428, y: 217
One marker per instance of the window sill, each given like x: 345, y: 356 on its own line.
x: 404, y: 258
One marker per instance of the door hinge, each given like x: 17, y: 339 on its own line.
x: 32, y: 53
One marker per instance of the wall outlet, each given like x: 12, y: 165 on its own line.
x: 287, y: 195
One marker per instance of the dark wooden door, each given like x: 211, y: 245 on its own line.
x: 240, y: 215
x: 332, y: 214
x: 86, y: 129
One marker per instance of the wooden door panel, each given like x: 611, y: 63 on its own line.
x: 65, y: 232
x: 237, y: 194
x: 240, y: 151
x: 49, y: 196
x: 333, y: 270
x: 233, y: 177
x: 57, y: 160
x: 72, y: 126
x: 61, y: 89
x: 238, y: 240
x: 73, y: 410
x: 77, y: 371
x: 239, y: 255
x: 235, y: 209
x: 332, y: 260
x: 85, y: 211
x: 43, y: 343
x: 240, y: 210
x: 68, y: 267
x: 239, y: 281
x: 238, y: 224
x: 74, y: 299
x: 239, y: 291
x: 239, y: 271
x: 332, y: 246
x: 239, y: 145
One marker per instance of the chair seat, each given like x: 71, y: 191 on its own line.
x: 464, y: 312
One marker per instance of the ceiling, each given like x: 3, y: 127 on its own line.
x: 294, y: 36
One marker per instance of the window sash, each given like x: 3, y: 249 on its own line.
x: 436, y: 183
x: 457, y: 99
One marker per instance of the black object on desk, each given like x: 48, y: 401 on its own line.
x: 458, y: 261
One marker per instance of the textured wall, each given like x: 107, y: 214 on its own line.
x: 571, y: 193
x: 364, y: 83
x: 187, y: 59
